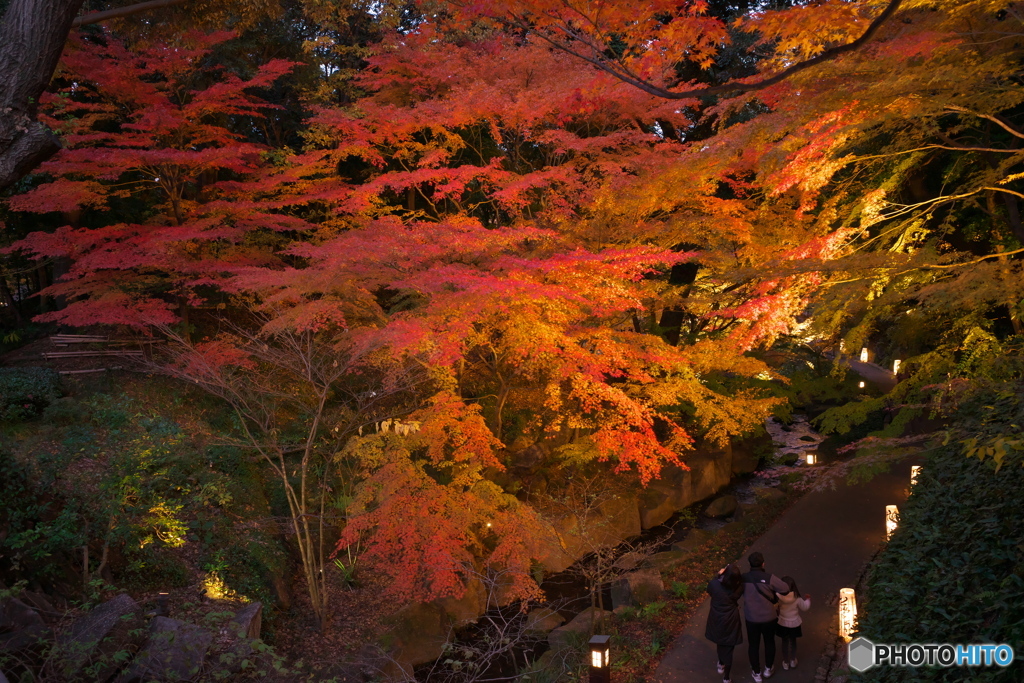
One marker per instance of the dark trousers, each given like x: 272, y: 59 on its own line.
x: 755, y: 631
x: 788, y: 648
x: 725, y: 659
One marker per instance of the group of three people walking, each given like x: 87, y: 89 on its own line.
x: 771, y: 607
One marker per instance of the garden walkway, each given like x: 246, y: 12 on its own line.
x: 822, y: 541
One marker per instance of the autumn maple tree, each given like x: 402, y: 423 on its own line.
x: 562, y: 228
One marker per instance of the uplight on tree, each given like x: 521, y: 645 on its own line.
x: 600, y: 671
x: 892, y: 519
x: 847, y: 613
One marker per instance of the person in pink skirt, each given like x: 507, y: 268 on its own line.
x: 789, y: 626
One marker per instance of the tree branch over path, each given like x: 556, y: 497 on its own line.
x: 118, y: 12
x: 625, y: 75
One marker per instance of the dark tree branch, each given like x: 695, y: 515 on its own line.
x: 618, y: 71
x: 116, y: 13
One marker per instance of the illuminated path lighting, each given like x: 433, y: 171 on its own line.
x: 847, y: 613
x: 892, y: 519
x: 915, y: 470
x: 864, y: 355
x: 600, y: 671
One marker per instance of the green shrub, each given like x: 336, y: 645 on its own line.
x: 26, y: 392
x: 954, y: 570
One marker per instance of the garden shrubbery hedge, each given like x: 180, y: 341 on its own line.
x: 26, y: 392
x: 954, y: 570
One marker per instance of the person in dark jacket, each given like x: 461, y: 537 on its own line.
x: 724, y: 628
x: 760, y: 594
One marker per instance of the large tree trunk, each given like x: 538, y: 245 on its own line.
x: 32, y: 35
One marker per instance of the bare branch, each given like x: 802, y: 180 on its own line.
x: 118, y: 12
x: 618, y: 71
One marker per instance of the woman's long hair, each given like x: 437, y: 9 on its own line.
x: 732, y: 577
x: 792, y: 586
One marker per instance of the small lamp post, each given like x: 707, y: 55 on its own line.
x: 892, y: 520
x: 847, y: 613
x: 896, y: 366
x: 861, y: 385
x: 600, y: 669
x: 163, y: 609
x: 864, y: 355
x: 915, y: 470
x: 810, y: 458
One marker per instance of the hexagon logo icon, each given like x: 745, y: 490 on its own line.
x: 861, y: 654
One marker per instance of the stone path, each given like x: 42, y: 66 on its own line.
x: 822, y: 541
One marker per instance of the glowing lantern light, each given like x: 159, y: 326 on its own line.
x: 892, y: 519
x: 896, y: 366
x: 847, y: 613
x: 914, y: 471
x: 864, y: 355
x: 862, y: 385
x: 600, y: 671
x: 810, y: 458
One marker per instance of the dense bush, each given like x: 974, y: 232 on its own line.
x: 138, y: 489
x: 954, y: 570
x: 26, y: 392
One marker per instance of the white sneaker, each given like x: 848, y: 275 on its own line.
x: 721, y: 668
x: 757, y: 677
x: 768, y: 671
x: 785, y: 665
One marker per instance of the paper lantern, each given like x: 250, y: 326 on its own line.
x: 914, y: 471
x: 810, y: 458
x: 847, y: 613
x: 896, y: 366
x: 864, y: 355
x: 862, y: 385
x: 892, y: 519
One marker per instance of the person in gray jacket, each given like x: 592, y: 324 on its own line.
x: 760, y: 590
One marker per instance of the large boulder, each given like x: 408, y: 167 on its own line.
x: 693, y: 541
x: 745, y: 453
x: 236, y: 644
x: 768, y: 494
x: 607, y: 524
x: 20, y: 626
x: 638, y: 588
x: 175, y: 651
x: 722, y: 507
x: 579, y: 628
x: 658, y: 502
x: 710, y: 471
x: 553, y: 554
x: 418, y: 634
x: 543, y: 619
x: 614, y: 520
x: 473, y: 602
x: 668, y: 559
x: 248, y: 621
x: 102, y: 639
